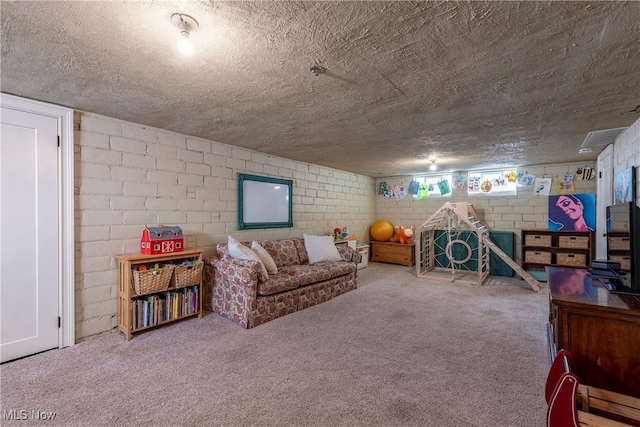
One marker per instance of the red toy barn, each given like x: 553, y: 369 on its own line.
x: 161, y: 240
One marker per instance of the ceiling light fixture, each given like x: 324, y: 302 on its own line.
x: 186, y: 24
x: 433, y: 165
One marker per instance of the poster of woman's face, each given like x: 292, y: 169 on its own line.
x: 574, y: 212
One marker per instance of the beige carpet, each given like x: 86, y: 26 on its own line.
x: 398, y: 351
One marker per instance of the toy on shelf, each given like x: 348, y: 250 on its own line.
x: 161, y: 240
x: 402, y: 235
x: 381, y: 230
x: 336, y: 233
x: 343, y: 234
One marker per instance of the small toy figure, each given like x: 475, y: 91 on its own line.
x: 336, y: 233
x: 344, y: 233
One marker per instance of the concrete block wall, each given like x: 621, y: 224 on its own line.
x: 128, y: 176
x: 503, y: 213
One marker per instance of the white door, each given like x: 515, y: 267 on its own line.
x: 603, y: 199
x: 29, y: 279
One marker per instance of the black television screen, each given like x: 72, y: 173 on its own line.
x: 625, y: 218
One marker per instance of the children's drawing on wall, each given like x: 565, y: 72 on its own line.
x: 564, y: 184
x: 459, y: 180
x: 474, y: 183
x: 623, y: 187
x: 542, y: 186
x: 572, y: 212
x: 414, y: 186
x: 444, y: 188
x: 423, y: 193
x: 382, y: 188
x: 385, y: 190
x: 525, y: 179
x: 400, y: 191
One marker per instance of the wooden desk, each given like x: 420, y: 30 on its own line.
x: 600, y: 329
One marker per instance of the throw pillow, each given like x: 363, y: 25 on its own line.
x: 321, y: 248
x: 239, y: 251
x: 267, y: 260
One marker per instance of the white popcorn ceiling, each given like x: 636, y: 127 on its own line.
x: 473, y: 84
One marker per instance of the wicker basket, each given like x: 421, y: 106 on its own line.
x: 186, y: 275
x: 537, y: 257
x: 541, y: 240
x: 618, y: 243
x: 574, y: 242
x: 624, y: 260
x: 578, y: 260
x: 144, y: 282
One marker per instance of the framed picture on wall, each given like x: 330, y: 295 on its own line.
x: 624, y: 184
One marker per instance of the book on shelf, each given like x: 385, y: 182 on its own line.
x: 169, y: 305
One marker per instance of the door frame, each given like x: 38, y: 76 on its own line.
x: 603, y: 199
x: 66, y: 262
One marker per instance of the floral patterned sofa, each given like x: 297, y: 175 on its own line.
x: 238, y: 290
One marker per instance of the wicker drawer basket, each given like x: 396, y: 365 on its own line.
x: 574, y: 242
x: 537, y: 257
x: 143, y: 282
x: 538, y: 240
x: 578, y: 260
x: 624, y: 260
x: 620, y: 243
x: 186, y: 275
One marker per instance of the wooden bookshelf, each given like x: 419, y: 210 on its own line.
x: 541, y: 248
x: 146, y: 309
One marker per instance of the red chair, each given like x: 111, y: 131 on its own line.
x: 560, y: 392
x: 563, y: 390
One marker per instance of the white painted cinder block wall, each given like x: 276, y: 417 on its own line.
x: 128, y: 176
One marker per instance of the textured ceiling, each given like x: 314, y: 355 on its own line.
x: 473, y: 84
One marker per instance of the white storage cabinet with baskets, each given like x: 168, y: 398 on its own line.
x: 154, y: 290
x: 541, y: 248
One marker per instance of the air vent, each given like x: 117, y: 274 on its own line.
x: 602, y: 137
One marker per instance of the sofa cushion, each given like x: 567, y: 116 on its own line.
x: 283, y: 252
x: 295, y: 276
x: 302, y: 252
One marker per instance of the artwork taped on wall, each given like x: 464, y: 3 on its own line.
x: 623, y: 187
